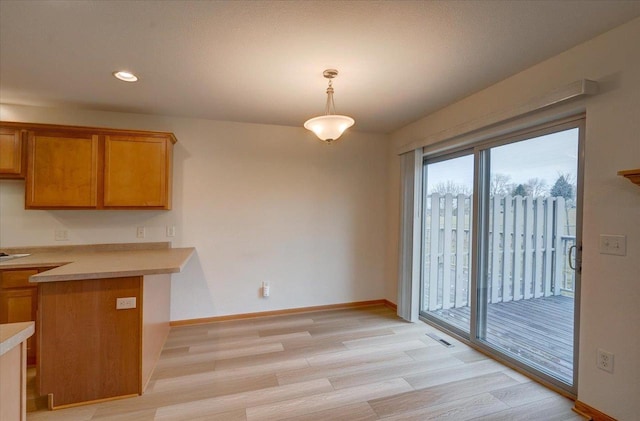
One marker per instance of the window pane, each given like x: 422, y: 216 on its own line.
x: 447, y: 240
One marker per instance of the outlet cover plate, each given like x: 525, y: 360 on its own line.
x: 125, y: 303
x: 61, y: 235
x: 605, y: 360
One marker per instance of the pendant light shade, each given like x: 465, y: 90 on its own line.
x: 329, y: 127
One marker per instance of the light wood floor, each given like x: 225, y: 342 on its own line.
x: 537, y: 330
x: 354, y: 364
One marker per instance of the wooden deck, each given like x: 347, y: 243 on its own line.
x: 538, y: 331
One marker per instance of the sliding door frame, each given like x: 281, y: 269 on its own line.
x: 478, y: 296
x: 433, y: 159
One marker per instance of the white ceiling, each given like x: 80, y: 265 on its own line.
x: 262, y: 61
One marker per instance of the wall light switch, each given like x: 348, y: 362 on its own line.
x: 613, y: 244
x: 140, y: 232
x: 171, y: 230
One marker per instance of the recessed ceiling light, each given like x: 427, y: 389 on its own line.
x: 125, y: 76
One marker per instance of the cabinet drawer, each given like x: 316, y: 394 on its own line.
x: 16, y: 278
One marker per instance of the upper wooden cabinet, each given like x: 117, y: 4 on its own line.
x: 11, y: 153
x: 137, y: 172
x: 62, y: 170
x: 92, y: 168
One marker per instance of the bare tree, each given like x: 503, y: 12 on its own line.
x: 450, y: 187
x: 500, y: 184
x: 536, y: 187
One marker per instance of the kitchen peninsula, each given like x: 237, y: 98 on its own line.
x: 102, y: 316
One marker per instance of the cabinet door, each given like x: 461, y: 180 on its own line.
x: 62, y: 170
x: 19, y: 305
x: 137, y: 172
x: 11, y: 159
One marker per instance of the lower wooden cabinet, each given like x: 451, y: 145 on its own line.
x: 91, y: 350
x: 19, y: 303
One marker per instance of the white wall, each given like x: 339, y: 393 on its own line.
x: 610, y: 307
x: 258, y: 202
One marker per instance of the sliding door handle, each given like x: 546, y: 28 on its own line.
x: 571, y: 249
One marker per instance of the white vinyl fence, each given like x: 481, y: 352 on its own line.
x: 527, y: 257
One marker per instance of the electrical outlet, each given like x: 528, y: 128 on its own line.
x: 140, y: 232
x: 61, y: 235
x: 605, y: 360
x: 613, y: 244
x: 266, y: 289
x: 171, y: 230
x: 125, y: 303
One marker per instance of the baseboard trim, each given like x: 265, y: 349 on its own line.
x: 76, y: 404
x: 392, y: 306
x: 188, y: 322
x: 590, y: 412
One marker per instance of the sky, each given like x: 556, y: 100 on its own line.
x: 543, y: 157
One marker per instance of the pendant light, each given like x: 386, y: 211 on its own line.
x: 329, y: 127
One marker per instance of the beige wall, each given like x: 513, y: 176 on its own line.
x: 258, y: 202
x: 610, y: 308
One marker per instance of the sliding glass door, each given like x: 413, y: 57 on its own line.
x: 501, y: 247
x: 530, y: 214
x: 447, y: 245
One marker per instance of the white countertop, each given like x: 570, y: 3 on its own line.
x: 12, y: 334
x: 75, y: 264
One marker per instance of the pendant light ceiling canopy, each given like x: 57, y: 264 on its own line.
x: 329, y: 127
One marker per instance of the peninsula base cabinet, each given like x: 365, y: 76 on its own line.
x: 90, y: 350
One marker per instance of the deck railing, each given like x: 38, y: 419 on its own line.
x: 528, y: 251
